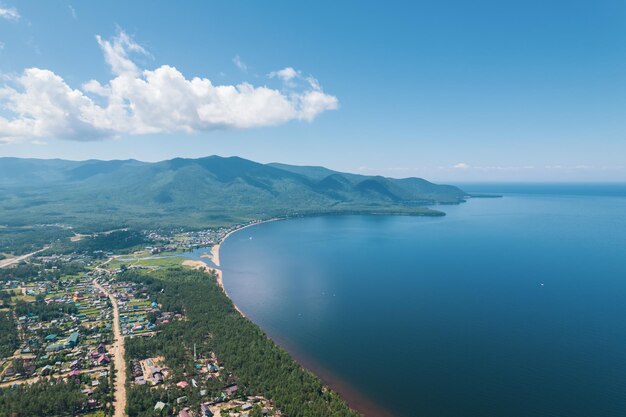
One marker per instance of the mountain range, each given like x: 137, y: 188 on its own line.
x: 199, y: 192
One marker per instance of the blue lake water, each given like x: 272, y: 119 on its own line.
x: 505, y: 307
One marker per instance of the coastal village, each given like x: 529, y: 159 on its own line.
x: 72, y: 330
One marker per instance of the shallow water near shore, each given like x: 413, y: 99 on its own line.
x: 513, y: 306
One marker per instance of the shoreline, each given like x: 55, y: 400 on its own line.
x: 215, y: 259
x: 355, y: 400
x: 215, y: 249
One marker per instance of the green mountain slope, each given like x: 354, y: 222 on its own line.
x: 197, y: 192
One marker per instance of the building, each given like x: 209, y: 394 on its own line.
x: 73, y: 339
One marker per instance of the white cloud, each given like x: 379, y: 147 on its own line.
x: 1, y: 45
x: 9, y: 14
x: 285, y: 74
x: 239, y: 63
x: 72, y: 11
x: 116, y: 54
x: 486, y: 168
x: 139, y: 101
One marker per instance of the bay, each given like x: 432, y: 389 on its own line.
x: 512, y: 306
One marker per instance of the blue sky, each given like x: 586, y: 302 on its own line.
x: 448, y: 90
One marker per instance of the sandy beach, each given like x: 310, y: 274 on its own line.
x: 353, y: 397
x: 215, y: 254
x: 215, y: 250
x: 215, y: 258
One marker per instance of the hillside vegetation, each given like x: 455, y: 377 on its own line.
x: 192, y: 193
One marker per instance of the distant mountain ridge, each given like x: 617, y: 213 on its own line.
x: 198, y: 192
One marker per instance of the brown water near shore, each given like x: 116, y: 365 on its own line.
x: 355, y: 399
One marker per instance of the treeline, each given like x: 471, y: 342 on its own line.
x: 30, y: 272
x: 8, y: 335
x: 261, y: 367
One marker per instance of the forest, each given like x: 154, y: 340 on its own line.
x: 8, y: 335
x: 22, y: 240
x: 52, y: 398
x: 115, y: 241
x: 212, y: 323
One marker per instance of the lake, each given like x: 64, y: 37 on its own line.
x: 514, y: 306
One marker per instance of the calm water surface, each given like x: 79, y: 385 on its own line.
x: 505, y: 307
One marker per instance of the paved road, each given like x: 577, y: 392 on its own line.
x: 118, y: 358
x: 7, y: 262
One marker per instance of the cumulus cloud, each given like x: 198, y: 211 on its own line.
x: 9, y: 14
x: 140, y: 101
x: 461, y: 165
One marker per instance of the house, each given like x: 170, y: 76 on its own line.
x: 230, y: 390
x: 103, y: 360
x: 46, y: 370
x: 55, y: 347
x: 184, y: 413
x: 157, y: 377
x: 204, y: 410
x: 73, y: 339
x: 101, y: 348
x: 75, y: 375
x: 159, y: 406
x: 182, y: 384
x: 136, y: 366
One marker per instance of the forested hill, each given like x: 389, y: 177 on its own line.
x: 197, y: 192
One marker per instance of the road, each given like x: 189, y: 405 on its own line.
x: 118, y: 357
x: 10, y: 261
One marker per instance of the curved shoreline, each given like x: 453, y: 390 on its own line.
x: 215, y: 249
x: 215, y: 258
x: 355, y: 399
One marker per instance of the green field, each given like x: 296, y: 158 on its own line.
x: 152, y: 263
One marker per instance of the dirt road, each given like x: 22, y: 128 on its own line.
x: 118, y: 357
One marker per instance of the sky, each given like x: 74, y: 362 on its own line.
x: 452, y: 91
